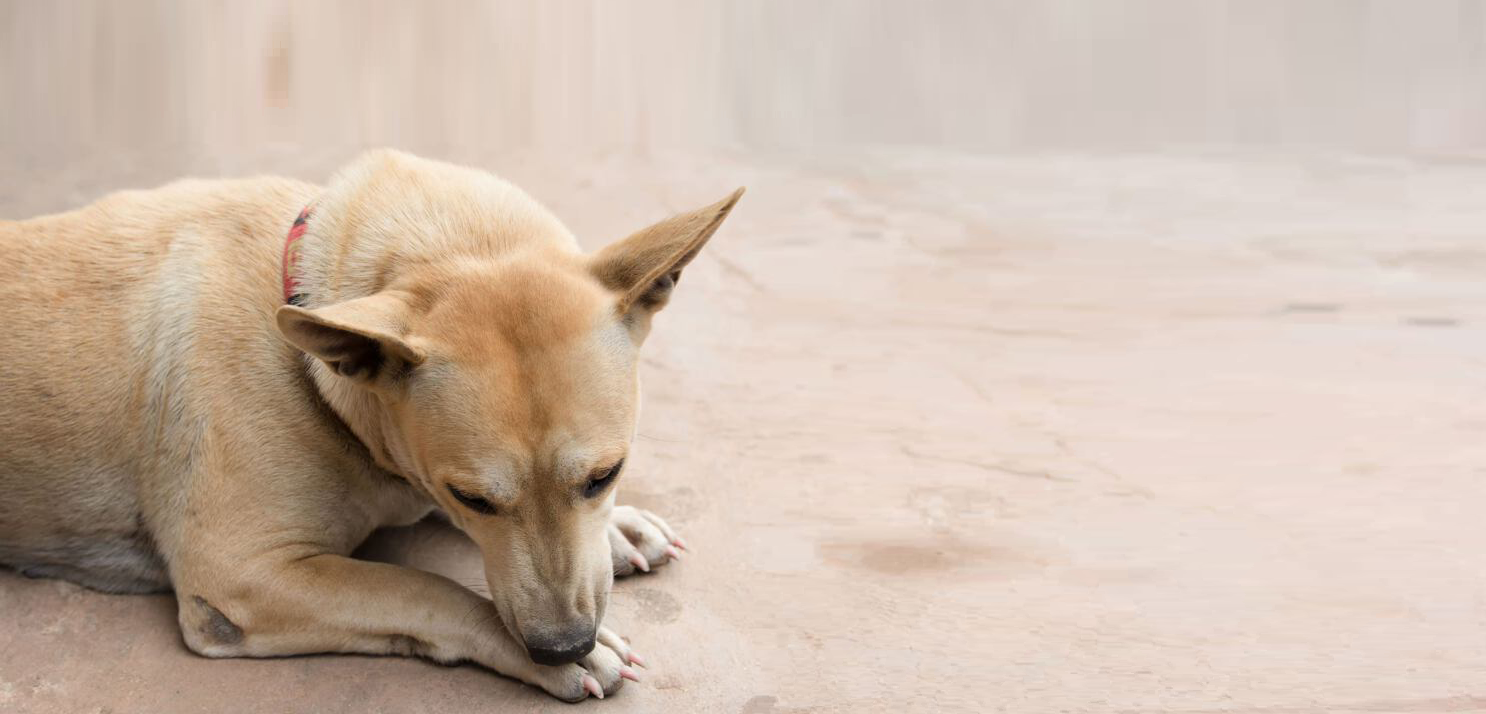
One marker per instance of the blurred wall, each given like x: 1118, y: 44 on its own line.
x: 751, y: 75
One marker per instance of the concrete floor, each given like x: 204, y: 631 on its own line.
x: 1059, y: 433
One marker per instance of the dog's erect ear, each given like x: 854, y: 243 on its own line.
x: 361, y: 339
x: 644, y: 267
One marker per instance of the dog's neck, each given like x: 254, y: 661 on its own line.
x: 359, y: 409
x: 368, y: 419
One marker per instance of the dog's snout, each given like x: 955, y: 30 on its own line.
x: 563, y: 649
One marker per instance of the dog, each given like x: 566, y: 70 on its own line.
x: 221, y: 388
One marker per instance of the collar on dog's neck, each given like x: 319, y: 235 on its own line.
x: 292, y: 295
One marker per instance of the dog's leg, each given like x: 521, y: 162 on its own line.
x: 104, y: 581
x: 640, y: 540
x: 331, y: 603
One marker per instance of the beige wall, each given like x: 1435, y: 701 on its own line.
x: 1372, y: 75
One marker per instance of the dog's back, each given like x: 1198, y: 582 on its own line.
x: 99, y: 305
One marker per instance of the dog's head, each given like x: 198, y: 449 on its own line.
x: 484, y: 358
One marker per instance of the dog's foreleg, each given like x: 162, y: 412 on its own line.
x: 331, y: 603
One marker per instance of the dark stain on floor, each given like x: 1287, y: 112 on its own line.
x: 932, y: 554
x: 655, y: 606
x: 767, y: 704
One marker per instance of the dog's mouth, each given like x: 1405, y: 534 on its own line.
x: 507, y: 617
x: 551, y: 642
x: 557, y: 646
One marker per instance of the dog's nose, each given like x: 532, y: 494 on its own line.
x: 561, y: 650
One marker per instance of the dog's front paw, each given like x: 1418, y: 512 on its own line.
x: 601, y: 673
x: 640, y: 540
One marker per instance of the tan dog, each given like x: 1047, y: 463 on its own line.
x: 167, y: 421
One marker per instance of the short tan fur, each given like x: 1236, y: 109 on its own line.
x: 166, y: 421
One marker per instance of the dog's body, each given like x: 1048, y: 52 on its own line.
x: 167, y: 422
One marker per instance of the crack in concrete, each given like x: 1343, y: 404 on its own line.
x: 984, y: 465
x: 740, y: 272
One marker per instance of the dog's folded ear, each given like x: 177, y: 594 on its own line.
x: 363, y: 339
x: 644, y: 267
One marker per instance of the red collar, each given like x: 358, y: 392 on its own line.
x: 292, y: 295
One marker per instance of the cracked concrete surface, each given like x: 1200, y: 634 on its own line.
x: 1057, y: 433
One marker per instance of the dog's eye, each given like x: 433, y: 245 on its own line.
x: 474, y: 503
x: 601, y: 480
